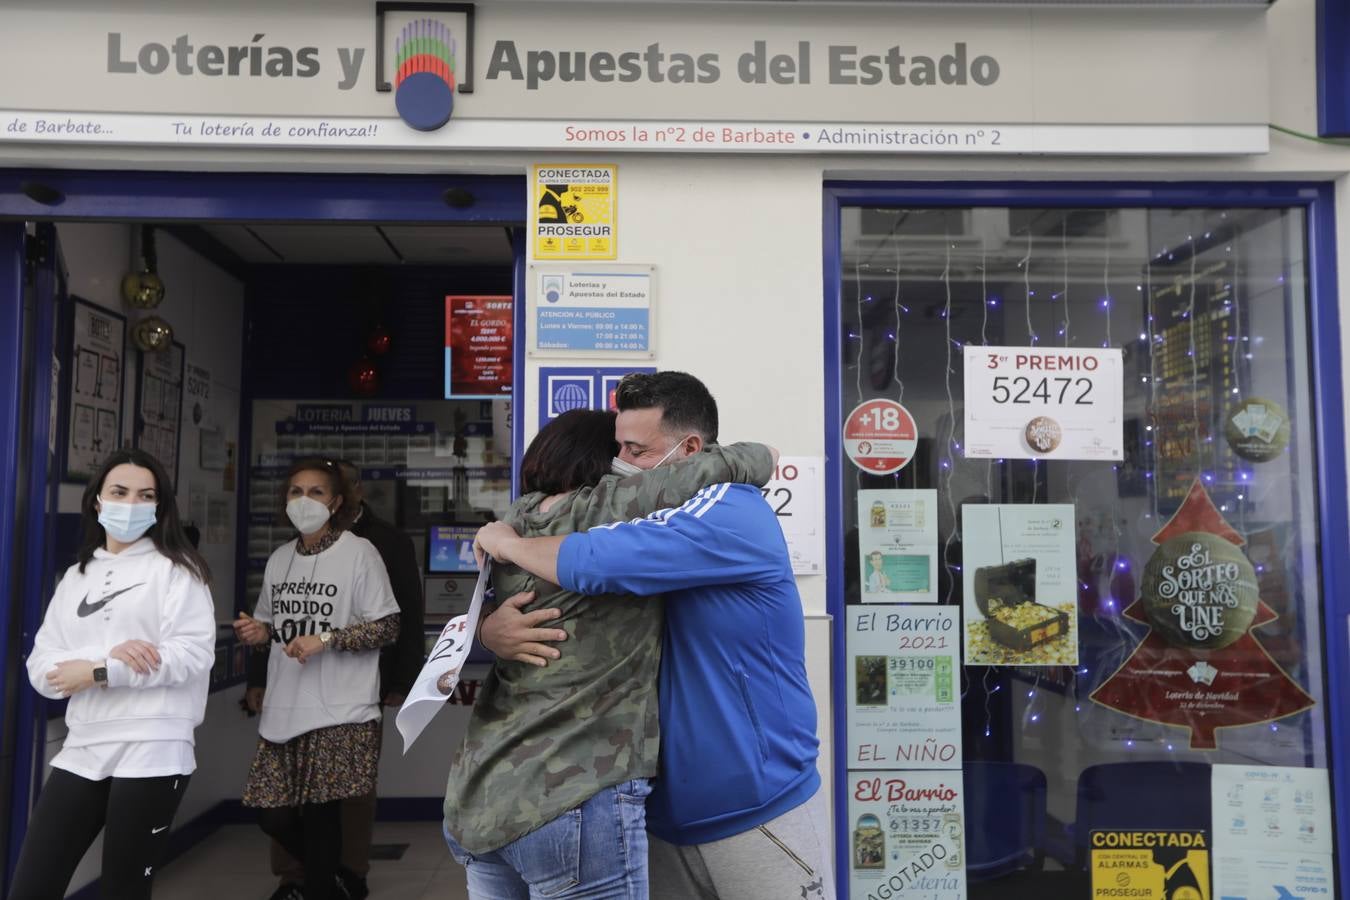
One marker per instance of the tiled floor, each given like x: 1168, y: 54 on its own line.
x: 232, y: 865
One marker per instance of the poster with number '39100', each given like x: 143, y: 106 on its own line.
x: 1044, y: 403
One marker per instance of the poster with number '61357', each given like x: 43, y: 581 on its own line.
x: 906, y: 836
x: 1044, y: 403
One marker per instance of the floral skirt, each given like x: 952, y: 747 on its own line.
x: 315, y: 767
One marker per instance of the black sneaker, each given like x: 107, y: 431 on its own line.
x: 351, y: 886
x: 288, y: 891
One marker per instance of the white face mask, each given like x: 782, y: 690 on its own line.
x: 307, y: 514
x: 126, y: 522
x: 624, y: 467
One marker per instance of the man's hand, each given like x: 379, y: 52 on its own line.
x: 250, y: 630
x: 494, y: 539
x: 253, y: 699
x: 513, y: 635
x: 72, y: 676
x: 142, y: 656
x: 394, y: 698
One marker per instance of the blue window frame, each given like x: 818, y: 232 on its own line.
x: 1333, y: 581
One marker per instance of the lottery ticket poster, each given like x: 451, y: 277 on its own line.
x: 897, y: 546
x: 1020, y: 580
x: 904, y: 691
x: 1044, y: 403
x: 906, y: 835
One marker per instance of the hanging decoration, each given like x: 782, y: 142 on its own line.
x: 145, y: 289
x: 363, y: 377
x: 152, y: 334
x: 1200, y: 666
x: 380, y: 341
x: 1257, y: 429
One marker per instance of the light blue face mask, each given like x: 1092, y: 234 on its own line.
x: 126, y: 522
x: 625, y: 468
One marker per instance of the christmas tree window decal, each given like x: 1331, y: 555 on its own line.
x: 1201, y: 666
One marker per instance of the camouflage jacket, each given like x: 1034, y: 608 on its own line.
x: 541, y: 741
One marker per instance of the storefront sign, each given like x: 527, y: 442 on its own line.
x: 1272, y: 833
x: 794, y: 492
x: 598, y: 310
x: 1043, y: 403
x: 1200, y: 667
x: 897, y: 546
x: 1021, y: 594
x: 907, y: 836
x: 880, y: 436
x: 1150, y: 865
x: 564, y: 388
x: 904, y: 691
x: 95, y: 387
x: 575, y: 211
x: 478, y: 347
x: 499, y: 75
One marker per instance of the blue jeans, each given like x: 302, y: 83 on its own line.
x: 597, y: 851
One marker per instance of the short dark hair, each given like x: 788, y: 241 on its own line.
x: 350, y: 470
x: 574, y: 450
x: 166, y: 534
x: 686, y: 404
x: 337, y: 484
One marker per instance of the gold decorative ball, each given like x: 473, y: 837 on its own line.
x: 143, y: 290
x: 152, y: 334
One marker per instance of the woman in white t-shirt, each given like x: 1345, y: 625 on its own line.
x: 129, y: 637
x: 327, y: 608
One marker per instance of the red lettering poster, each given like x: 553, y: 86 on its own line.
x: 478, y: 347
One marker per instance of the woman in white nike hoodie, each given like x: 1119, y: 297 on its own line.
x: 129, y: 638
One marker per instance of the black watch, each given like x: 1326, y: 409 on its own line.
x: 101, y: 675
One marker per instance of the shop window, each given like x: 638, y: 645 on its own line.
x: 1108, y: 601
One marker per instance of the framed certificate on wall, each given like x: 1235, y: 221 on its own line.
x: 96, y: 361
x: 159, y: 405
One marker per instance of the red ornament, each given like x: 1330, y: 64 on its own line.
x: 363, y: 377
x: 380, y: 341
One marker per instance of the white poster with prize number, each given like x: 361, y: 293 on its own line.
x: 794, y: 493
x: 1044, y: 403
x: 435, y: 684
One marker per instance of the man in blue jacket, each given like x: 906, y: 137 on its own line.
x: 737, y: 811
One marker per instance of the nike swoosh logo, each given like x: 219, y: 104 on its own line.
x: 88, y: 609
x: 158, y: 830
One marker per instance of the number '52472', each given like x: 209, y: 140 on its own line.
x: 1020, y: 389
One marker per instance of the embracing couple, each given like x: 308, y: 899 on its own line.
x: 671, y: 740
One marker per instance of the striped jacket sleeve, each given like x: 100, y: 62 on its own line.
x: 726, y: 534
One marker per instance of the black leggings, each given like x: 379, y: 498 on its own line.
x: 312, y: 834
x: 70, y: 813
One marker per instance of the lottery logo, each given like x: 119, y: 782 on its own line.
x: 1043, y: 434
